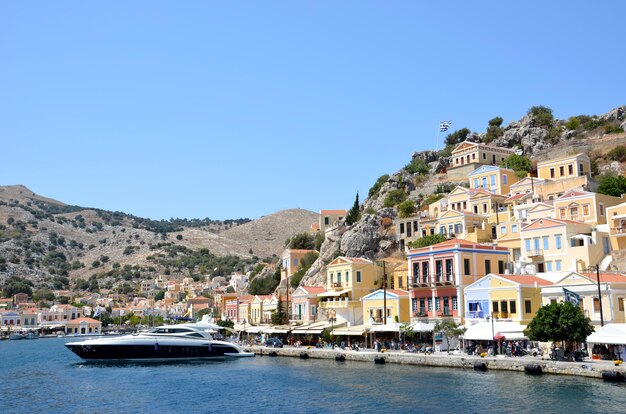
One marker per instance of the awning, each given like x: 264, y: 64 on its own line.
x: 610, y: 334
x: 255, y: 329
x: 315, y: 328
x: 390, y: 327
x: 277, y: 329
x: 333, y: 294
x: 422, y: 326
x: 486, y: 331
x: 357, y: 330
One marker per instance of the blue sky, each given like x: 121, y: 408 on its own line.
x: 240, y: 109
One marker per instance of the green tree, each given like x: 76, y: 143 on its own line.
x: 279, y: 315
x: 354, y: 213
x: 43, y: 295
x: 15, y: 285
x: 448, y: 328
x: 225, y: 324
x: 542, y: 116
x: 395, y: 197
x: 406, y: 331
x: 457, y: 136
x: 497, y: 121
x: 517, y: 163
x: 613, y: 185
x: 319, y: 239
x: 406, y: 208
x: 559, y: 322
x: 134, y: 320
x: 417, y: 166
x: 159, y: 295
x: 427, y: 241
x: 302, y: 241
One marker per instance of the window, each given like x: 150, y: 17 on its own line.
x: 561, y: 171
x: 581, y: 169
x: 494, y: 304
x: 358, y: 273
x: 484, y: 180
x: 439, y: 269
x: 485, y: 208
x: 400, y: 282
x: 536, y: 243
x: 502, y: 230
x: 484, y: 156
x: 527, y: 244
x: 430, y: 304
x: 549, y: 266
x: 422, y: 305
x: 313, y: 310
x: 425, y: 271
x: 527, y: 306
x: 332, y: 277
x: 505, y: 179
x: 442, y: 230
x: 339, y: 277
x: 437, y: 304
x: 585, y: 209
x: 455, y: 304
x: 596, y: 305
x: 558, y: 241
x: 448, y: 270
x: 487, y: 266
x: 620, y: 305
x: 401, y: 228
x: 475, y: 182
x: 546, y: 244
x: 562, y: 213
x: 500, y: 266
x: 415, y: 225
x: 551, y: 172
x: 514, y: 228
x: 601, y: 209
x: 570, y: 169
x: 504, y: 306
x: 557, y: 264
x: 476, y: 209
x: 466, y: 267
x: 492, y: 179
x: 326, y: 221
x: 347, y: 276
x: 408, y: 231
x: 513, y: 306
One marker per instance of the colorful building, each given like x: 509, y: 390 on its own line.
x: 439, y: 273
x: 331, y: 218
x: 616, y: 218
x: 565, y: 167
x: 291, y: 260
x: 494, y: 179
x: 468, y: 156
x: 304, y: 305
x: 83, y: 326
x: 584, y: 206
x: 377, y: 310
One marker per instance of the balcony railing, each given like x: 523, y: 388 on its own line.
x: 476, y: 314
x: 340, y: 303
x: 501, y: 315
x: 444, y: 278
x: 534, y: 253
x: 618, y: 231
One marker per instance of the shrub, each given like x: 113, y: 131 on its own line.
x: 612, y: 185
x: 497, y: 121
x: 542, y: 115
x: 612, y: 129
x: 554, y: 134
x: 572, y: 123
x: 432, y: 198
x: 302, y: 241
x: 427, y: 240
x: 446, y: 152
x: 376, y: 187
x: 395, y: 197
x: 617, y: 154
x: 406, y: 208
x: 417, y: 166
x: 517, y: 163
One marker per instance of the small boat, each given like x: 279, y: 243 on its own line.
x: 188, y: 340
x: 15, y: 336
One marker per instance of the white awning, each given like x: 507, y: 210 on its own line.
x: 333, y: 294
x: 277, y: 329
x: 315, y: 328
x: 255, y: 329
x: 485, y: 331
x: 610, y: 334
x: 422, y: 326
x: 390, y: 327
x: 357, y: 330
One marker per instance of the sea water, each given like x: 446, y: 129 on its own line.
x: 43, y: 376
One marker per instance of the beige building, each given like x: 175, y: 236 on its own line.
x: 584, y: 206
x: 616, y: 218
x: 291, y: 260
x: 407, y: 230
x: 468, y: 156
x: 566, y: 167
x: 395, y: 307
x: 331, y: 218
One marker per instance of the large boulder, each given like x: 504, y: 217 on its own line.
x: 363, y: 239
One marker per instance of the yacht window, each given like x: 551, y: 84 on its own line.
x: 196, y: 334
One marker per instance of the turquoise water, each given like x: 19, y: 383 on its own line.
x: 43, y: 376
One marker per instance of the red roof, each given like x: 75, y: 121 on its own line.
x: 333, y: 212
x: 81, y: 320
x: 606, y: 277
x: 314, y: 289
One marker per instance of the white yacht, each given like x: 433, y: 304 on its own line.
x: 188, y: 340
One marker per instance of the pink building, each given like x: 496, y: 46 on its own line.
x: 304, y: 303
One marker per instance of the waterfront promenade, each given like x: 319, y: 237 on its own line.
x: 588, y: 368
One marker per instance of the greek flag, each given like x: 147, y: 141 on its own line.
x: 97, y: 312
x: 571, y: 297
x: 444, y: 125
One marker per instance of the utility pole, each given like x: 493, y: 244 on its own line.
x: 384, y: 294
x: 599, y: 295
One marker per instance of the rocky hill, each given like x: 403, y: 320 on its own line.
x: 538, y: 136
x: 54, y: 244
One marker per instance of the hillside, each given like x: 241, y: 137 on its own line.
x: 53, y: 244
x: 537, y: 135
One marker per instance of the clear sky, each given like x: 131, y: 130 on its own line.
x: 242, y: 108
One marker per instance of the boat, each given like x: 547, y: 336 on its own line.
x: 187, y: 340
x: 15, y: 336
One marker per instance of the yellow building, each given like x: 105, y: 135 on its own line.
x: 491, y: 178
x: 330, y: 218
x: 585, y: 285
x: 509, y: 237
x: 546, y: 190
x: 348, y: 279
x: 584, y: 206
x: 83, y: 326
x: 397, y: 307
x: 514, y: 298
x: 243, y: 311
x: 565, y: 167
x: 401, y: 276
x: 559, y: 245
x: 256, y: 309
x: 464, y: 225
x: 616, y: 217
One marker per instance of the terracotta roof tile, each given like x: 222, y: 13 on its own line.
x: 333, y: 212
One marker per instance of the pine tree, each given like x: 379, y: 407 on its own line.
x: 354, y: 213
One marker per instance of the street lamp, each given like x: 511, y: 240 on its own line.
x: 597, y: 269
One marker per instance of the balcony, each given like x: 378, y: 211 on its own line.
x: 337, y: 286
x: 501, y: 315
x: 534, y: 253
x: 476, y: 314
x: 618, y: 231
x: 420, y: 283
x: 444, y: 279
